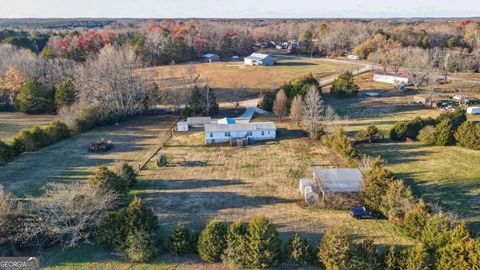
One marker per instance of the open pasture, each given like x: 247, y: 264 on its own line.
x: 11, y: 123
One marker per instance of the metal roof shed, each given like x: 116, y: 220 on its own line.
x: 344, y: 180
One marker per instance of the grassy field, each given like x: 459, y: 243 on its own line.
x: 448, y: 176
x: 11, y: 123
x: 246, y: 80
x: 69, y: 159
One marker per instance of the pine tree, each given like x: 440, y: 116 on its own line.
x: 141, y: 246
x: 209, y: 102
x: 236, y: 244
x: 392, y: 261
x: 416, y: 258
x: 65, y: 93
x: 140, y: 217
x: 128, y: 174
x: 106, y: 179
x: 444, y: 134
x: 298, y: 251
x: 377, y: 180
x: 335, y: 248
x: 212, y: 241
x: 344, y: 86
x: 263, y: 244
x: 181, y: 241
x: 468, y: 135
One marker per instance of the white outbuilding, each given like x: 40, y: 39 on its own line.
x: 182, y: 126
x: 259, y: 59
x: 473, y: 110
x: 338, y: 180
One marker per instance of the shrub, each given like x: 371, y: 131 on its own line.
x: 392, y: 259
x: 397, y: 199
x: 409, y: 129
x: 426, y: 136
x: 458, y: 117
x: 340, y: 142
x: 444, y: 133
x: 141, y: 246
x: 65, y: 93
x: 335, y: 248
x: 370, y: 134
x: 344, y: 86
x: 182, y: 241
x: 212, y: 241
x: 298, y: 251
x: 128, y: 174
x: 6, y: 153
x: 376, y: 182
x: 416, y: 258
x: 106, y: 179
x: 468, y: 135
x: 263, y: 244
x: 459, y: 255
x: 364, y: 255
x: 35, y: 98
x: 113, y: 230
x: 57, y: 131
x: 133, y: 231
x: 415, y: 220
x: 29, y: 140
x: 236, y: 244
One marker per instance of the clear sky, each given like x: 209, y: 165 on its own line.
x: 238, y: 8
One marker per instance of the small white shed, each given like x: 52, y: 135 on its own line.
x: 182, y: 126
x: 304, y: 183
x: 473, y: 110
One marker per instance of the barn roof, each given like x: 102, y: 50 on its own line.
x: 339, y: 180
x: 199, y: 120
x: 240, y: 127
x: 258, y: 56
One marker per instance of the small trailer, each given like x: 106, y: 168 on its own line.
x: 473, y: 110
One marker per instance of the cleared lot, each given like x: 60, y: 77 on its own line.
x: 11, y: 123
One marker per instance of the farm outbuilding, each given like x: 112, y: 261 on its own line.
x: 182, y: 126
x: 395, y: 79
x: 199, y: 121
x: 259, y: 59
x: 422, y: 100
x: 473, y: 110
x: 353, y: 57
x: 210, y: 58
x: 338, y: 180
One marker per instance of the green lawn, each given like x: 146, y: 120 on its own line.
x: 11, y: 123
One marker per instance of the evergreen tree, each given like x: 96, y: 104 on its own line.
x: 6, y: 153
x: 263, y: 244
x: 416, y: 258
x: 435, y: 234
x: 35, y: 98
x: 106, y: 179
x: 344, y: 86
x: 335, y: 249
x: 392, y: 260
x: 65, y: 93
x: 468, y: 135
x: 377, y: 181
x: 415, y: 220
x: 140, y: 217
x: 396, y: 200
x: 212, y: 241
x: 364, y: 256
x: 298, y: 251
x: 196, y: 101
x: 444, y: 133
x: 236, y: 244
x: 128, y: 174
x: 141, y: 246
x: 181, y: 241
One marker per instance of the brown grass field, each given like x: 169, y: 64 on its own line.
x: 11, y: 123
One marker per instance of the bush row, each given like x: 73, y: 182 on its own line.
x: 444, y: 243
x: 29, y: 140
x: 342, y: 144
x: 448, y: 129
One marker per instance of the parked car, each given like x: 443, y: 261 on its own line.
x: 363, y: 213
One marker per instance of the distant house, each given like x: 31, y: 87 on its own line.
x: 395, y: 79
x: 210, y: 58
x: 259, y: 59
x: 340, y: 180
x: 473, y: 110
x: 236, y: 133
x: 353, y: 57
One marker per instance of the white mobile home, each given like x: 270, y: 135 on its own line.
x: 395, y: 79
x: 473, y: 110
x: 226, y: 133
x: 259, y: 59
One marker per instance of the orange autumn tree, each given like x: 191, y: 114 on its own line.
x: 12, y: 81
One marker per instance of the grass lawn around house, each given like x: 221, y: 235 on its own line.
x: 69, y: 159
x: 11, y: 123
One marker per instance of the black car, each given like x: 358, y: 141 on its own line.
x: 363, y: 213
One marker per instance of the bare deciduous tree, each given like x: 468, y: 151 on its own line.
x: 296, y: 109
x: 280, y: 104
x: 312, y: 110
x: 420, y: 65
